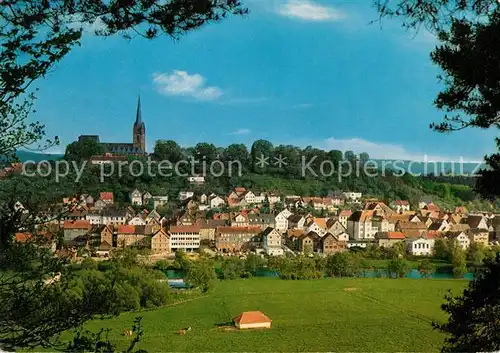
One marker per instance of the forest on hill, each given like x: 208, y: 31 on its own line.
x: 289, y: 179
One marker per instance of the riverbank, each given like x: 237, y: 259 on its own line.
x: 373, y: 268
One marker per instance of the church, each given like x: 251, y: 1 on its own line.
x: 137, y: 147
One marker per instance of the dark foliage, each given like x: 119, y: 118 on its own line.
x: 489, y: 182
x: 473, y: 324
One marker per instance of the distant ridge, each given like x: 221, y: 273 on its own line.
x: 416, y: 167
x: 37, y: 157
x: 426, y: 168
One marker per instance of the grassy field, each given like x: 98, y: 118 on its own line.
x: 321, y: 315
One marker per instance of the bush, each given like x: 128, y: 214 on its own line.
x: 232, y: 268
x: 201, y: 274
x: 426, y: 268
x: 397, y: 268
x: 458, y: 262
x: 161, y: 265
x: 343, y: 264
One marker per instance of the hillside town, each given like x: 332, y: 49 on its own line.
x: 244, y: 221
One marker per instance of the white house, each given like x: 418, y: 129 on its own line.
x: 159, y: 201
x: 281, y: 220
x: 336, y: 228
x: 184, y: 195
x: 112, y: 216
x: 271, y: 198
x: 461, y: 238
x: 344, y: 216
x: 135, y: 197
x: 196, y: 179
x: 477, y: 221
x: 249, y: 197
x: 313, y: 226
x: 440, y: 226
x: 239, y: 221
x: 146, y: 196
x: 216, y: 202
x: 137, y: 221
x: 352, y: 196
x: 203, y: 198
x: 271, y: 242
x: 260, y: 198
x: 400, y: 205
x: 100, y: 205
x: 420, y: 246
x: 360, y: 226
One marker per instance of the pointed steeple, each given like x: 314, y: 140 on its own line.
x: 138, y: 116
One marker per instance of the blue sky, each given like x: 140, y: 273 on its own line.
x: 293, y: 72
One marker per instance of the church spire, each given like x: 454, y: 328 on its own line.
x: 138, y: 116
x: 139, y: 134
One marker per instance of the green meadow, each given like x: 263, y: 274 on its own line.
x: 318, y: 315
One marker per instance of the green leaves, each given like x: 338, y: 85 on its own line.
x: 473, y: 323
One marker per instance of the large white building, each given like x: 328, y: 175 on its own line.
x: 420, y: 246
x: 184, y: 237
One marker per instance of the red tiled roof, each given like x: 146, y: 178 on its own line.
x: 106, y: 196
x: 411, y: 225
x: 412, y: 233
x: 251, y: 317
x: 184, y: 229
x: 432, y: 235
x: 320, y: 222
x: 23, y: 237
x: 126, y: 229
x: 345, y: 213
x: 401, y: 202
x: 395, y: 235
x: 77, y: 224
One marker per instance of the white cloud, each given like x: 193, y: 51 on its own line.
x: 241, y: 132
x: 180, y: 83
x: 386, y: 150
x: 310, y: 11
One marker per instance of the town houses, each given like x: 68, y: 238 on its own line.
x: 265, y: 222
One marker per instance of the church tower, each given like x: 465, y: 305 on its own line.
x: 139, y: 129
